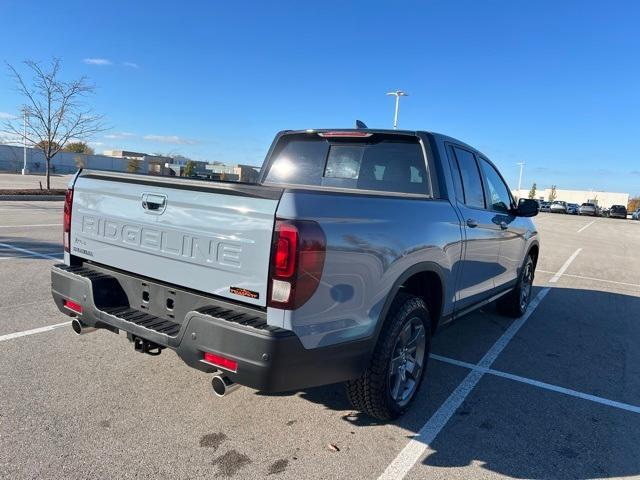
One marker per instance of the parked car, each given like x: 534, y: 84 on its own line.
x: 588, y: 209
x: 618, y: 211
x: 558, y: 207
x: 545, y: 206
x: 337, y: 266
x: 572, y: 208
x: 636, y: 215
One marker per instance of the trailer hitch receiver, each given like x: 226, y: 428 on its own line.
x: 145, y: 346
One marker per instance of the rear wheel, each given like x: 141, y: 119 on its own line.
x: 388, y: 386
x: 515, y: 303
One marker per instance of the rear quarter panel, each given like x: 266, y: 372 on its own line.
x: 371, y: 242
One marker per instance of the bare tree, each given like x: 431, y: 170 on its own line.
x: 57, y: 109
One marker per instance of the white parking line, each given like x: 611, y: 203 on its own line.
x: 637, y: 285
x: 33, y: 225
x: 587, y: 225
x: 48, y: 328
x: 32, y: 256
x: 412, y: 452
x: 2, y: 307
x: 547, y: 386
x: 564, y: 267
x: 28, y: 252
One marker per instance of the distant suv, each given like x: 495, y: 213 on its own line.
x: 618, y: 211
x: 558, y: 207
x: 588, y: 209
x: 337, y: 266
x: 545, y: 206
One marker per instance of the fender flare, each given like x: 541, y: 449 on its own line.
x: 534, y: 243
x: 422, y: 267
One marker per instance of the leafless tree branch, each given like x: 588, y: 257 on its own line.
x: 57, y: 109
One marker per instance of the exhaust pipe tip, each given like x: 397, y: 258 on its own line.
x: 80, y: 328
x: 223, y: 385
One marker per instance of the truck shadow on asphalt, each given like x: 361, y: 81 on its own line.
x: 583, y: 340
x: 23, y: 246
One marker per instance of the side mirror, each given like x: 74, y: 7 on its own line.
x: 527, y: 208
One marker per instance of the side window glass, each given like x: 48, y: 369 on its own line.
x: 455, y: 173
x: 471, y: 179
x: 498, y: 191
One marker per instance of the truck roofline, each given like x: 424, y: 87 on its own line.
x: 385, y: 131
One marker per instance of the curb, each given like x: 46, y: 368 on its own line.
x: 31, y: 198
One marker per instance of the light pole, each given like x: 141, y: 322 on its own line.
x: 520, y: 177
x: 397, y: 94
x: 25, y: 111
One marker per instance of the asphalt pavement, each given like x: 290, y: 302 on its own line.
x: 553, y: 395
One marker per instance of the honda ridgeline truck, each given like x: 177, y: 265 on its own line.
x: 338, y: 265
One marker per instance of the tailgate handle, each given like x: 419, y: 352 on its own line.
x: 153, y: 202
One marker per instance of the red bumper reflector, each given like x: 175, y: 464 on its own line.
x: 73, y: 306
x: 221, y: 362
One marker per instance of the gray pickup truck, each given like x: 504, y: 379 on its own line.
x: 338, y: 265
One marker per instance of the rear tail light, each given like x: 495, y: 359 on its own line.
x: 297, y: 260
x: 220, y: 361
x: 73, y: 306
x: 66, y: 220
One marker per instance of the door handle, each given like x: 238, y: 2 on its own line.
x: 471, y: 223
x: 154, y: 203
x: 503, y: 225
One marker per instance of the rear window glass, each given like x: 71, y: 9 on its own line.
x: 381, y: 163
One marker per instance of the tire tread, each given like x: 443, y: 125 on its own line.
x: 369, y: 392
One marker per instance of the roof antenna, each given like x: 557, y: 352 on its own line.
x: 360, y: 124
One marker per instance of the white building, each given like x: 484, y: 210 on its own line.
x: 602, y: 199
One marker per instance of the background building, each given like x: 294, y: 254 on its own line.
x: 151, y: 164
x: 234, y: 173
x: 602, y: 199
x: 11, y: 161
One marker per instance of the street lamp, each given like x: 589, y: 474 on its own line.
x: 520, y: 177
x: 397, y: 94
x: 25, y: 111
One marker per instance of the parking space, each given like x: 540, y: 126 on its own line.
x: 553, y: 395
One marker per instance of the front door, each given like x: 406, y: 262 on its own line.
x: 480, y: 261
x: 512, y: 241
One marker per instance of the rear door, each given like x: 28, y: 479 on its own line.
x: 481, y: 258
x: 210, y: 237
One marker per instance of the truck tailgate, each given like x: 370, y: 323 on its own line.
x: 207, y: 236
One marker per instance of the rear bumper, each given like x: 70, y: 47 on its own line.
x: 269, y: 358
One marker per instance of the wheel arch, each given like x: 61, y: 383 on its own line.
x: 425, y: 280
x: 534, y: 251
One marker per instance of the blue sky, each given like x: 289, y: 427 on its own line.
x: 553, y: 84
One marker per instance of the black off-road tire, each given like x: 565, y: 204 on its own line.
x: 371, y: 393
x: 512, y: 304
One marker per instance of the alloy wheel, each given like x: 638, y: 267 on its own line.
x: 407, y: 361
